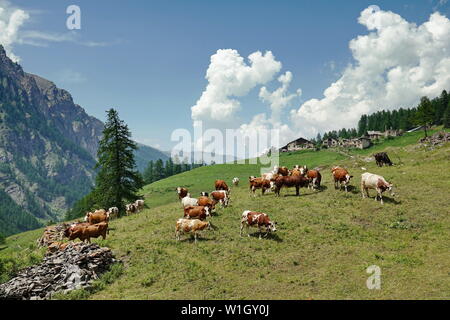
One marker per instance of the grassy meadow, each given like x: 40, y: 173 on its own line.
x: 325, y: 240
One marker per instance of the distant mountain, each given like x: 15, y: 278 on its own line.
x: 48, y: 146
x: 145, y: 153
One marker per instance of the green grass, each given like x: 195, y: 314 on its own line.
x: 325, y: 240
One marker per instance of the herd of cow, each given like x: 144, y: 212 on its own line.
x: 197, y: 210
x: 96, y: 223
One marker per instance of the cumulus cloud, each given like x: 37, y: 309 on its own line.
x: 11, y: 20
x: 229, y: 76
x: 395, y: 64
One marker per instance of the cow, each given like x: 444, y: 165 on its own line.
x: 313, y: 175
x: 74, y: 226
x: 341, y: 177
x: 182, y: 192
x: 259, y: 183
x: 139, y: 205
x: 259, y: 220
x: 130, y: 208
x: 205, y: 201
x: 235, y: 181
x: 86, y: 232
x: 382, y: 158
x: 221, y: 185
x: 188, y: 201
x: 196, y: 212
x: 296, y: 181
x: 113, y: 212
x: 97, y: 216
x: 221, y: 196
x: 268, y: 176
x: 284, y: 171
x: 374, y: 181
x: 190, y: 226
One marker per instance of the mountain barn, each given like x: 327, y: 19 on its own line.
x: 299, y: 144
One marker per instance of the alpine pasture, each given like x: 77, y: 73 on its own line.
x: 324, y: 243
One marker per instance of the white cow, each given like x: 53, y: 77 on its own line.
x: 235, y: 181
x: 139, y: 205
x: 113, y: 212
x: 188, y: 201
x: 374, y: 181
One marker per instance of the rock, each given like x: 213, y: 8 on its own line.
x: 66, y: 270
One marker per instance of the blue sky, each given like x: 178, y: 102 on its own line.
x: 148, y: 59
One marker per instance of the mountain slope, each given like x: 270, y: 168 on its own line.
x: 48, y: 146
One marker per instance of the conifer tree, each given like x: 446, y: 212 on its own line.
x: 118, y: 179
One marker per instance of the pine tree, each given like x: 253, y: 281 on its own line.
x: 158, y: 172
x: 117, y: 180
x: 169, y: 168
x: 148, y: 172
x: 424, y: 115
x: 446, y: 118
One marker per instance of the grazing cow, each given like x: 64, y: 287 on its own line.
x: 259, y: 220
x: 382, y: 158
x: 207, y: 202
x: 235, y: 181
x: 130, y: 208
x: 289, y: 182
x: 221, y: 185
x: 284, y: 171
x: 74, y: 226
x: 188, y: 201
x: 97, y: 216
x: 221, y: 196
x: 190, y: 226
x: 196, y: 212
x: 341, y: 177
x: 113, y: 212
x: 86, y: 232
x: 374, y: 181
x: 139, y: 205
x: 182, y: 192
x: 204, y: 194
x: 259, y: 183
x: 313, y: 175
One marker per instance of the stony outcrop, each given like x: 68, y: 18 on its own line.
x: 75, y: 267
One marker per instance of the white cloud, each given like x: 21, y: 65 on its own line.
x: 229, y: 77
x: 396, y: 63
x: 11, y: 20
x: 69, y: 76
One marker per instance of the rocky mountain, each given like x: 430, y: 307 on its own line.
x: 48, y: 146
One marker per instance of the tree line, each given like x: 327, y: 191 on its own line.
x: 157, y: 170
x: 427, y: 113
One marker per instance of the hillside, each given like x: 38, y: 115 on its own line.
x: 325, y: 240
x: 48, y: 146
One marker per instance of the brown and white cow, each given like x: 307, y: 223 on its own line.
x: 374, y: 181
x: 130, y: 208
x: 341, y: 177
x: 259, y: 220
x: 284, y: 171
x: 197, y: 212
x: 235, y: 181
x: 221, y: 197
x: 221, y: 185
x: 296, y: 181
x: 86, y: 232
x: 113, y: 212
x: 313, y: 175
x: 97, y: 216
x: 190, y: 226
x: 207, y: 202
x: 182, y: 192
x: 139, y: 204
x: 259, y: 183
